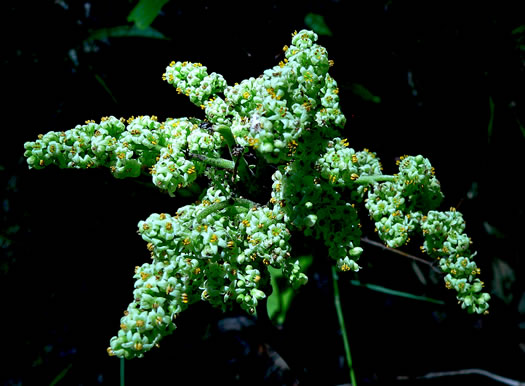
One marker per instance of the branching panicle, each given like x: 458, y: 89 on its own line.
x: 218, y: 249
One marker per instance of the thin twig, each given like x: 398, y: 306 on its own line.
x: 485, y: 373
x: 404, y: 254
x: 340, y: 318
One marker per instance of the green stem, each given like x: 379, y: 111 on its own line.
x: 217, y: 162
x: 122, y: 371
x: 211, y: 209
x: 368, y: 180
x: 390, y: 291
x: 242, y: 202
x: 340, y: 318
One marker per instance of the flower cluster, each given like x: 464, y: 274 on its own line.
x: 165, y: 150
x: 445, y: 240
x: 218, y: 249
x: 407, y: 204
x: 271, y: 112
x: 313, y: 205
x: 84, y: 146
x: 342, y: 166
x: 192, y: 80
x: 397, y: 206
x: 176, y: 164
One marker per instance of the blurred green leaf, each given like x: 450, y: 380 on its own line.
x: 61, y: 375
x: 273, y: 305
x: 503, y: 280
x: 145, y: 12
x: 378, y: 288
x: 364, y: 93
x: 305, y: 262
x: 282, y: 294
x: 522, y: 129
x: 126, y: 31
x: 317, y: 23
x: 491, y: 118
x: 493, y: 231
x: 280, y: 299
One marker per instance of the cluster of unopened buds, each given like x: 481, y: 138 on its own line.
x: 218, y: 249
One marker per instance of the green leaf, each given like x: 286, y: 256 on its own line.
x: 145, y: 12
x: 378, y: 288
x: 226, y: 132
x: 317, y: 23
x: 126, y: 31
x: 273, y: 305
x: 503, y: 281
x: 490, y: 126
x: 364, y: 93
x: 305, y: 262
x: 493, y: 231
x: 286, y: 301
x: 61, y: 375
x: 282, y: 295
x: 522, y: 129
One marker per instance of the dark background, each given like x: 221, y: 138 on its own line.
x: 450, y: 77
